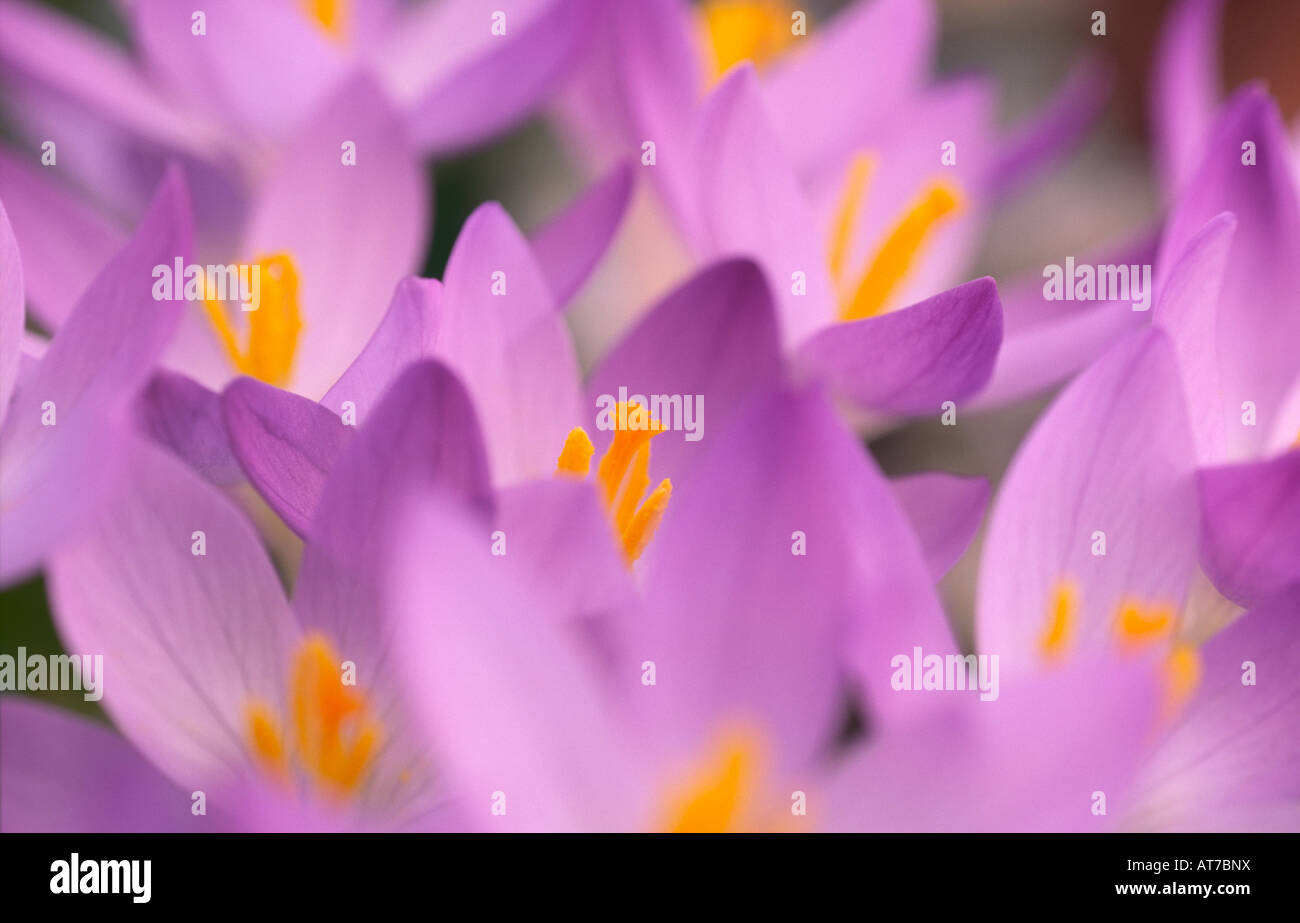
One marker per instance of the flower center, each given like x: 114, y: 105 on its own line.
x: 744, y: 30
x: 623, y: 476
x: 868, y: 295
x: 272, y: 328
x: 331, y: 16
x: 330, y: 737
x: 724, y: 791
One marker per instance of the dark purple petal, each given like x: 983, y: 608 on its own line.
x: 913, y: 359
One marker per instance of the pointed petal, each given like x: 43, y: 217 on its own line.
x: 945, y: 512
x: 914, y: 359
x: 570, y: 245
x: 285, y: 443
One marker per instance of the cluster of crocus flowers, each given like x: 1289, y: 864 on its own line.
x: 500, y: 613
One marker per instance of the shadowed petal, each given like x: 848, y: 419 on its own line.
x: 570, y: 245
x: 285, y: 443
x: 182, y: 415
x: 945, y: 512
x: 913, y: 359
x: 1251, y: 520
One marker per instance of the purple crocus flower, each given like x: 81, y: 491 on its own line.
x: 1092, y: 551
x: 827, y: 157
x: 63, y: 412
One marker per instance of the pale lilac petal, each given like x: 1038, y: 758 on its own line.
x: 408, y: 333
x: 285, y: 443
x: 857, y: 68
x: 1229, y: 761
x: 185, y: 417
x: 751, y: 203
x: 506, y: 698
x: 95, y: 366
x: 739, y: 618
x: 1250, y: 546
x: 1185, y: 88
x: 12, y: 311
x: 64, y: 774
x: 502, y: 78
x: 560, y: 531
x: 712, y: 340
x: 1257, y: 326
x: 189, y: 640
x: 913, y: 359
x: 344, y: 279
x: 1029, y: 761
x: 261, y: 66
x: 945, y: 512
x: 569, y: 246
x: 512, y: 350
x: 1188, y: 312
x: 64, y: 241
x: 1113, y: 455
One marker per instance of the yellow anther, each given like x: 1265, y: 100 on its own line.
x: 623, y: 476
x: 1055, y: 639
x: 1182, y: 674
x: 898, y: 253
x: 745, y: 30
x: 846, y: 214
x: 334, y: 736
x: 330, y: 15
x: 575, y: 457
x: 273, y: 327
x: 716, y: 797
x: 1139, y: 624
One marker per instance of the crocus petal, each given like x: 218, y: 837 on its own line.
x: 1031, y: 760
x: 189, y: 639
x: 640, y: 81
x: 713, y: 340
x: 1250, y: 512
x: 285, y: 443
x: 11, y: 311
x: 407, y: 333
x: 423, y: 431
x: 1185, y: 91
x: 751, y: 203
x: 77, y: 63
x: 1228, y: 761
x: 863, y: 63
x: 945, y: 512
x: 914, y: 359
x: 507, y: 701
x: 1188, y: 311
x: 64, y: 241
x: 185, y: 417
x: 92, y: 369
x: 1107, y: 468
x: 512, y: 350
x: 344, y: 278
x: 64, y: 774
x: 505, y: 78
x: 1257, y: 326
x: 761, y: 580
x: 561, y: 533
x: 570, y: 245
x: 262, y: 66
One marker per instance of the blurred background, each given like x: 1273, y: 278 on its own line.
x: 1102, y: 192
